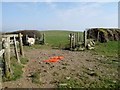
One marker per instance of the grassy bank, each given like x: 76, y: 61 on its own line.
x: 109, y: 49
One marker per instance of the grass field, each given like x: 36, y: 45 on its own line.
x: 57, y: 37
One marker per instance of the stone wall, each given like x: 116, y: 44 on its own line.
x: 104, y: 34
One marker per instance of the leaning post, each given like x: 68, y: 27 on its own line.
x: 21, y: 45
x: 16, y: 50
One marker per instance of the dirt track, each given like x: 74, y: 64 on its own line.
x: 72, y: 65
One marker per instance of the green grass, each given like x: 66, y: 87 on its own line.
x: 36, y: 77
x: 109, y: 49
x: 71, y: 83
x: 16, y: 68
x: 54, y: 39
x: 85, y: 82
x: 57, y: 38
x: 23, y: 60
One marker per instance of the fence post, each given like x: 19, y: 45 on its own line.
x: 78, y: 38
x: 16, y: 51
x: 81, y: 38
x: 26, y: 38
x: 0, y: 78
x: 34, y: 36
x: 43, y: 38
x: 70, y: 41
x: 85, y: 38
x: 98, y: 36
x: 6, y: 57
x: 74, y: 41
x: 21, y: 45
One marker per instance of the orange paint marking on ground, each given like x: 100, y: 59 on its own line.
x: 54, y: 59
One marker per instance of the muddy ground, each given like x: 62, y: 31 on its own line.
x: 85, y: 67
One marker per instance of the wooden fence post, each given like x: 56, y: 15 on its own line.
x: 98, y: 37
x: 0, y: 78
x: 70, y: 41
x: 34, y: 36
x: 0, y: 66
x: 21, y: 45
x: 78, y: 37
x: 43, y: 38
x: 16, y: 51
x: 26, y: 38
x: 74, y: 40
x: 6, y: 57
x: 85, y: 38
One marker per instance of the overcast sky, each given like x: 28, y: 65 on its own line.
x: 58, y: 15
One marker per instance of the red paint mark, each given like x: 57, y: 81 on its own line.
x: 54, y: 59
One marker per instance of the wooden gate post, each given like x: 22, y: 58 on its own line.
x: 26, y: 38
x: 70, y: 41
x: 74, y: 40
x: 6, y: 57
x: 78, y: 37
x: 21, y: 45
x: 43, y: 38
x: 34, y: 36
x: 16, y: 51
x: 98, y: 36
x: 85, y: 38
